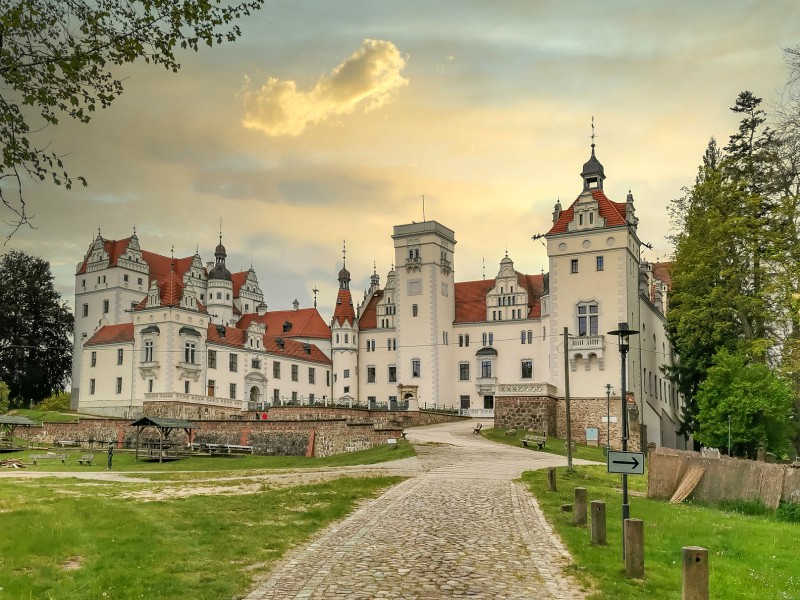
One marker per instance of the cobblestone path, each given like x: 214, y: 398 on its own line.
x: 462, y: 528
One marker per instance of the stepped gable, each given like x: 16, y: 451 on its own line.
x: 112, y: 334
x: 369, y: 316
x: 114, y: 249
x: 612, y: 212
x: 235, y: 337
x: 306, y: 323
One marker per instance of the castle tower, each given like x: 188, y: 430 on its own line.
x: 220, y: 288
x: 425, y: 309
x: 344, y: 340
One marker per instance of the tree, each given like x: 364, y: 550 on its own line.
x: 758, y: 402
x: 35, y: 327
x: 57, y: 59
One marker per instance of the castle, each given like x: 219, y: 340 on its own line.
x: 153, y: 328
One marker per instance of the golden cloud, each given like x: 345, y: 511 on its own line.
x: 369, y: 77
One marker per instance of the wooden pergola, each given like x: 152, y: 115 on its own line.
x: 164, y: 427
x: 7, y: 425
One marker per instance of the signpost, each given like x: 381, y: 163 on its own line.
x: 626, y: 463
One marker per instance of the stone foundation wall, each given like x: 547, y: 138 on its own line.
x: 390, y: 418
x: 530, y: 413
x: 544, y: 413
x: 190, y: 411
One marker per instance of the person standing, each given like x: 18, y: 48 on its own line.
x: 110, y: 455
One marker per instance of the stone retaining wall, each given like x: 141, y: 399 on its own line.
x: 281, y: 438
x: 536, y: 413
x: 390, y: 418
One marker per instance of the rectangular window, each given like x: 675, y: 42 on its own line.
x: 573, y: 265
x: 312, y: 375
x: 232, y: 390
x: 491, y: 339
x: 311, y: 399
x: 466, y: 340
x: 346, y: 373
x: 276, y: 396
x: 346, y: 389
x: 119, y: 356
x: 486, y: 368
x: 125, y: 278
x: 460, y: 340
x: 255, y: 363
x: 328, y: 378
x: 94, y: 359
x: 212, y: 359
x: 599, y: 263
x: 276, y: 369
x: 346, y: 338
x: 392, y: 374
x: 91, y: 386
x: 149, y: 386
x: 414, y: 310
x: 527, y: 369
x: 294, y: 372
x: 415, y: 367
x: 530, y: 336
x: 233, y: 362
x: 148, y: 351
x: 212, y: 387
x: 119, y: 385
x: 105, y: 307
x: 370, y: 374
x: 85, y: 310
x: 189, y: 353
x: 463, y: 371
x: 522, y: 336
x: 485, y: 339
x: 294, y: 397
x: 139, y: 281
x: 186, y: 386
x: 389, y: 343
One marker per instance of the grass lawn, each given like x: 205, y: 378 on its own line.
x: 51, y: 416
x: 751, y: 558
x: 87, y: 541
x: 554, y: 445
x: 124, y: 461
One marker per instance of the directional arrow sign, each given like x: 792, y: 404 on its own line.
x: 627, y: 463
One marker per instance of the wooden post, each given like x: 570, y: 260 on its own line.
x: 633, y: 535
x: 598, y: 522
x: 695, y: 573
x: 579, y: 517
x: 551, y: 479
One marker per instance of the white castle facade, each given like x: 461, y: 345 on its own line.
x: 149, y: 327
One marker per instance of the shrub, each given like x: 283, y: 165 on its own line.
x: 789, y: 512
x: 745, y: 507
x: 59, y: 401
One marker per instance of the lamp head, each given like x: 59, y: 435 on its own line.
x: 623, y: 332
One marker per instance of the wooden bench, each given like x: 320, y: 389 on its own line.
x: 236, y: 449
x: 86, y: 459
x: 539, y: 439
x: 48, y: 456
x: 65, y: 443
x: 477, y: 428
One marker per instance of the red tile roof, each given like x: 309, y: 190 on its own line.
x: 160, y: 266
x: 612, y: 212
x: 306, y: 323
x: 235, y: 338
x: 170, y: 291
x: 369, y: 316
x: 238, y: 280
x: 112, y: 334
x: 344, y: 311
x: 663, y: 272
x: 471, y: 297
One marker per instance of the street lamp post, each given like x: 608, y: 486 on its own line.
x: 623, y: 332
x: 608, y: 418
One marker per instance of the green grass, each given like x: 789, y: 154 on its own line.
x: 199, y: 547
x: 554, y: 445
x: 750, y: 557
x: 124, y: 461
x: 51, y: 416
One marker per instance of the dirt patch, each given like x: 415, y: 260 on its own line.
x: 73, y: 563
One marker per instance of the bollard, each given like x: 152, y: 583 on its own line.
x: 633, y: 531
x: 579, y: 517
x: 551, y: 479
x: 598, y: 522
x: 695, y: 573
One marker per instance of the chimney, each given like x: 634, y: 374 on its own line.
x: 296, y: 305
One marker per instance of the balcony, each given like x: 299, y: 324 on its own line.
x: 413, y: 264
x: 586, y: 347
x: 486, y: 385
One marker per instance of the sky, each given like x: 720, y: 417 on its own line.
x: 329, y: 121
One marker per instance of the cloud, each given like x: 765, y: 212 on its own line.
x: 370, y: 77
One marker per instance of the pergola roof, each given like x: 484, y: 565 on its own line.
x: 163, y: 422
x: 14, y: 420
